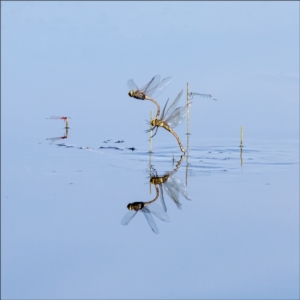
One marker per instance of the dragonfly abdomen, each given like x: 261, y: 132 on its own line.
x: 163, y: 124
x: 166, y: 126
x: 177, y: 138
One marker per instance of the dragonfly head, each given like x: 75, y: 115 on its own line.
x: 152, y: 122
x: 131, y: 93
x: 129, y: 206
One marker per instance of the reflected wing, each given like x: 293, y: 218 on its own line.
x: 127, y: 218
x: 150, y: 220
x: 159, y: 87
x: 178, y: 116
x: 132, y: 86
x: 150, y: 85
x: 180, y: 186
x: 162, y: 198
x: 172, y: 107
x: 54, y: 139
x: 156, y: 210
x: 172, y: 191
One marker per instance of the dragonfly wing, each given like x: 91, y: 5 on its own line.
x: 132, y: 86
x: 159, y: 212
x: 172, y: 107
x: 150, y: 220
x: 54, y: 139
x: 163, y: 112
x: 162, y: 198
x: 127, y: 218
x: 178, y: 116
x: 159, y: 87
x: 171, y: 190
x: 181, y: 188
x: 150, y: 85
x: 205, y: 95
x: 57, y: 118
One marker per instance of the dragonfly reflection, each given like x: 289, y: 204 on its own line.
x: 147, y: 208
x: 173, y: 186
x: 153, y: 86
x: 65, y: 136
x: 171, y: 118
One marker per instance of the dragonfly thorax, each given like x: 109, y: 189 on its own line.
x: 159, y: 180
x: 156, y: 122
x: 137, y: 94
x: 135, y: 206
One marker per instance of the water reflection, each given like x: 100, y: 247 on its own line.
x: 168, y: 183
x: 147, y: 208
x: 241, y: 155
x: 65, y: 136
x: 187, y: 156
x: 172, y: 185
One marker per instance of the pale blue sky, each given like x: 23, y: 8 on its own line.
x: 61, y: 56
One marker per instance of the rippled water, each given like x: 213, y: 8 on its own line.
x: 63, y: 202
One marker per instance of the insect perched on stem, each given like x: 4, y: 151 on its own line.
x: 154, y: 86
x: 66, y: 119
x: 171, y: 118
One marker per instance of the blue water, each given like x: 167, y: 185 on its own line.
x: 236, y: 235
x: 63, y: 202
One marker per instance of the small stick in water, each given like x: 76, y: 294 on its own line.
x: 150, y: 131
x: 241, y: 136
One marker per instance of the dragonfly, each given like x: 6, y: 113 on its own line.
x: 173, y: 186
x: 191, y: 95
x: 155, y: 85
x: 65, y: 136
x: 147, y: 208
x: 171, y: 118
x: 66, y: 119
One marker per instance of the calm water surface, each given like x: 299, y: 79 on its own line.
x: 63, y: 201
x: 62, y: 206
